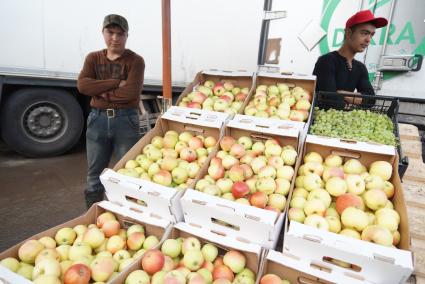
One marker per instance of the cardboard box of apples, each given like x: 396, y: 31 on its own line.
x: 243, y: 186
x: 195, y: 254
x: 284, y: 268
x: 153, y: 174
x: 347, y: 210
x: 281, y: 97
x: 221, y: 91
x: 96, y: 246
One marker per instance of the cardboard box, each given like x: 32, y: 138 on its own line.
x: 376, y: 263
x: 303, y: 270
x: 145, y: 196
x: 240, y: 221
x: 252, y: 252
x: 241, y: 79
x: 307, y: 82
x: 153, y: 226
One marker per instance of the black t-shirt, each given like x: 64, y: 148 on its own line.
x: 332, y: 71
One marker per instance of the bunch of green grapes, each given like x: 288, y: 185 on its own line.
x: 360, y: 125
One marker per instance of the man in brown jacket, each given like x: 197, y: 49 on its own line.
x: 113, y: 78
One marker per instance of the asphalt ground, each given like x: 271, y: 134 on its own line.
x: 37, y: 194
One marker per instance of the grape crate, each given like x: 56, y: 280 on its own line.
x: 360, y: 125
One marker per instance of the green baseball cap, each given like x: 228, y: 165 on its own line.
x: 114, y: 19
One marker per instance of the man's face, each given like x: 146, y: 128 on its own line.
x: 115, y: 38
x: 359, y: 39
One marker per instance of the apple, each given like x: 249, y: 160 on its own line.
x: 237, y: 150
x: 257, y: 164
x: 375, y: 199
x: 174, y: 277
x: 190, y: 243
x: 26, y: 270
x: 229, y: 161
x: 79, y: 250
x: 135, y: 228
x: 171, y: 247
x: 184, y: 270
x: 320, y: 194
x: 329, y: 172
x: 266, y: 185
x: 273, y: 150
x: 138, y: 277
x: 251, y: 183
x: 110, y: 228
x: 153, y: 261
x: 179, y: 175
x: 336, y: 186
x: 29, y: 251
x: 389, y: 189
x: 282, y: 186
x: 331, y: 211
x: 382, y: 169
x: 212, y: 189
x: 300, y: 192
x: 258, y: 199
x: 245, y: 141
x: 317, y: 221
x: 209, y: 252
x: 81, y: 229
x: 47, y: 279
x: 139, y: 253
x: 193, y: 259
x: 374, y: 182
x: 150, y: 242
x: 299, y: 182
x: 225, y: 185
x: 47, y: 241
x: 234, y: 260
x: 270, y: 279
x: 135, y: 240
x: 208, y: 265
x: 298, y: 202
x: 333, y: 160
x: 313, y: 157
x: 296, y: 214
x: 355, y: 184
x: 353, y: 166
x: 243, y: 200
x: 210, y: 141
x: 396, y: 238
x: 48, y: 266
x: 277, y: 201
x: 334, y: 224
x: 77, y: 274
x: 162, y: 177
x: 216, y: 171
x: 355, y: 218
x: 350, y: 233
x: 377, y: 234
x: 10, y: 263
x: 349, y: 200
x: 102, y: 268
x: 115, y: 243
x: 258, y: 148
x: 236, y: 173
x: 388, y: 221
x: 240, y: 189
x: 312, y: 181
x: 314, y: 206
x: 47, y: 253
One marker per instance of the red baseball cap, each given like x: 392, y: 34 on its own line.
x: 365, y: 16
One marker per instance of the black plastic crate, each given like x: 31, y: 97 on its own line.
x: 378, y: 104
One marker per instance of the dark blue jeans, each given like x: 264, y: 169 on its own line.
x: 106, y: 135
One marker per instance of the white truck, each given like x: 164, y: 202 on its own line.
x: 44, y: 44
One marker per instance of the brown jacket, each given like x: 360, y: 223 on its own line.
x: 101, y: 76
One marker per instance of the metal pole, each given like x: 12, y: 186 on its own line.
x: 166, y: 55
x: 264, y: 34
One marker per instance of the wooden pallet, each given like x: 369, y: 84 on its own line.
x: 414, y: 194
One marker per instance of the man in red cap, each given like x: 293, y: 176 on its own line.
x: 338, y: 71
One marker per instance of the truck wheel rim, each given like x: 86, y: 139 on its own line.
x: 44, y: 122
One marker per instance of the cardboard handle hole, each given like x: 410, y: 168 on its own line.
x: 252, y: 217
x: 193, y: 129
x: 321, y: 267
x: 346, y: 154
x: 225, y: 224
x: 305, y: 280
x: 128, y: 223
x: 257, y: 137
x: 340, y: 263
x: 136, y: 201
x: 312, y: 238
x: 384, y: 258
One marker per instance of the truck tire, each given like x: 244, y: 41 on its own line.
x: 41, y: 122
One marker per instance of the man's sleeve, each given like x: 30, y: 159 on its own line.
x: 325, y: 73
x: 134, y: 83
x: 364, y: 86
x: 87, y: 83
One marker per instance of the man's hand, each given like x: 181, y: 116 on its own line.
x: 350, y: 100
x: 122, y: 83
x: 105, y: 96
